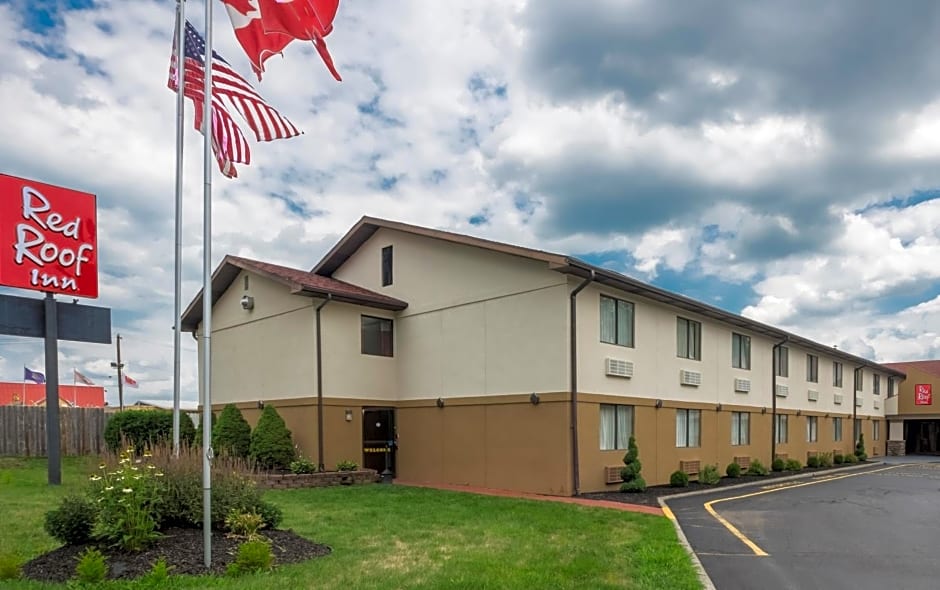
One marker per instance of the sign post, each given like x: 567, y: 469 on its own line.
x: 49, y: 243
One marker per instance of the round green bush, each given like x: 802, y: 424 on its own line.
x: 231, y: 434
x: 792, y: 465
x: 756, y: 468
x: 72, y: 522
x: 679, y: 479
x: 143, y: 429
x: 271, y: 444
x: 778, y: 464
x: 638, y: 484
x: 709, y: 475
x: 838, y: 458
x: 849, y: 459
x: 733, y: 470
x: 812, y: 461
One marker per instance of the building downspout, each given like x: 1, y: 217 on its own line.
x: 773, y: 400
x: 855, y: 432
x: 320, y: 465
x: 575, y: 459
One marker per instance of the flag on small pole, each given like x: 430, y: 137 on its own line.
x: 79, y: 378
x: 34, y: 376
x: 129, y: 382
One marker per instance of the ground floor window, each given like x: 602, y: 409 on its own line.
x: 837, y: 429
x: 782, y: 423
x: 876, y: 430
x: 812, y: 428
x: 740, y: 428
x: 856, y: 429
x: 616, y: 426
x: 688, y: 428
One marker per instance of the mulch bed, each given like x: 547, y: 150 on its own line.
x: 652, y: 494
x: 182, y: 549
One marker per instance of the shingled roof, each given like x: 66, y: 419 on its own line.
x: 929, y: 367
x: 300, y: 282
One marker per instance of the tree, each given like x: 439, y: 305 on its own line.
x: 197, y: 438
x: 860, y: 448
x: 271, y: 444
x: 231, y: 434
x: 632, y: 480
x: 145, y: 429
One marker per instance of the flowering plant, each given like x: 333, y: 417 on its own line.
x: 128, y: 500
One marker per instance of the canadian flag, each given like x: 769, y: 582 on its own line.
x: 265, y: 27
x: 130, y: 382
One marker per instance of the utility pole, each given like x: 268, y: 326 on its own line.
x: 120, y: 375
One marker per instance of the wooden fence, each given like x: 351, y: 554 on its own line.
x: 23, y: 431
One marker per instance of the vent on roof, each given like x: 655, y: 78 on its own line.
x: 783, y: 391
x: 693, y: 378
x: 837, y: 399
x: 858, y: 402
x: 742, y: 385
x: 619, y: 368
x: 812, y: 395
x: 877, y: 404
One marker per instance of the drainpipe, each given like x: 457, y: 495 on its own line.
x: 855, y: 434
x: 773, y: 400
x: 320, y: 464
x: 575, y: 459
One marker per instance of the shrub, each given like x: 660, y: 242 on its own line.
x: 253, y: 556
x: 197, y: 438
x: 825, y: 459
x: 145, y: 429
x: 271, y: 444
x: 244, y: 525
x: 270, y: 513
x: 837, y: 458
x: 73, y: 521
x: 630, y: 473
x: 709, y: 475
x: 860, y: 448
x: 679, y: 479
x: 231, y: 434
x: 302, y: 465
x: 11, y: 568
x: 849, y: 459
x: 128, y: 501
x: 756, y: 468
x: 347, y: 465
x: 778, y: 464
x: 158, y: 574
x: 792, y: 465
x: 733, y: 469
x: 812, y: 461
x: 92, y: 567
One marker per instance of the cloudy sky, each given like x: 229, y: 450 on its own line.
x: 778, y: 160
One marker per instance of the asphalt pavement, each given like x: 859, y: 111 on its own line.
x: 874, y: 528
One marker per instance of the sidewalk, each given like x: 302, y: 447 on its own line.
x: 527, y: 496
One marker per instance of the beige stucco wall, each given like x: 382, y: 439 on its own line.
x: 905, y: 398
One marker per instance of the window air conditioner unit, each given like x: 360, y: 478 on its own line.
x: 619, y: 368
x: 877, y: 405
x: 837, y: 399
x: 858, y: 402
x: 742, y: 385
x: 783, y: 391
x: 693, y: 378
x: 812, y: 395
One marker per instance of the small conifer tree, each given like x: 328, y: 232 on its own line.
x: 231, y: 434
x: 632, y: 480
x: 271, y: 444
x: 860, y: 448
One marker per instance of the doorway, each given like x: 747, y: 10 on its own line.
x: 379, y: 439
x: 922, y: 437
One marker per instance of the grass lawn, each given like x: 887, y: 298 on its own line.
x: 396, y: 537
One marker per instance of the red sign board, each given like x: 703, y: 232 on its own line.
x: 48, y: 238
x: 923, y: 394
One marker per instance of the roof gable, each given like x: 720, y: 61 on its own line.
x: 929, y: 367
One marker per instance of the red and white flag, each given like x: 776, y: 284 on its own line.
x: 265, y: 27
x: 128, y: 382
x: 79, y: 378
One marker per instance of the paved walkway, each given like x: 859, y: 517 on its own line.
x: 526, y: 496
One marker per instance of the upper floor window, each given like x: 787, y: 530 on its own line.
x: 616, y: 426
x: 876, y: 384
x: 386, y: 266
x: 740, y: 351
x: 782, y: 361
x: 890, y: 386
x: 859, y: 378
x: 836, y: 374
x: 377, y: 336
x: 688, y: 339
x: 812, y: 368
x: 616, y: 321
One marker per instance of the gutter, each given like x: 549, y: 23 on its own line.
x: 773, y: 398
x: 320, y: 464
x: 575, y: 459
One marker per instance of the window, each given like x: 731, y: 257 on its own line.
x: 837, y: 429
x: 616, y: 321
x: 812, y: 368
x: 859, y: 378
x: 740, y: 428
x: 836, y: 374
x: 782, y: 435
x: 616, y: 426
x: 688, y: 428
x: 246, y: 281
x: 876, y: 430
x: 386, y: 266
x: 740, y: 351
x: 782, y: 361
x: 688, y: 339
x: 890, y: 386
x: 856, y: 429
x: 876, y: 384
x: 812, y: 428
x: 376, y: 336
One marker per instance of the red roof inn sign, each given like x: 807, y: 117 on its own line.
x: 923, y: 394
x: 48, y: 238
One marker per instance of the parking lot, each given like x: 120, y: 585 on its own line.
x: 873, y: 528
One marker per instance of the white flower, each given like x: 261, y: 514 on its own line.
x: 127, y: 490
x: 95, y: 477
x: 150, y: 467
x: 138, y: 461
x: 109, y: 488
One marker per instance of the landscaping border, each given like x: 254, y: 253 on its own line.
x: 324, y: 479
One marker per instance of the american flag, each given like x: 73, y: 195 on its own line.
x: 228, y: 88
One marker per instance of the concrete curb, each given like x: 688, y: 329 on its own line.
x: 703, y: 577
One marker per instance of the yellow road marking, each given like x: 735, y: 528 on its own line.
x: 668, y: 513
x: 741, y: 536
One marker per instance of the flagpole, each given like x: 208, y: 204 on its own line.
x: 178, y: 266
x: 207, y: 294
